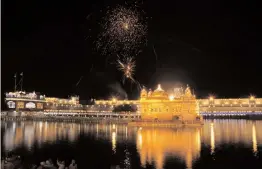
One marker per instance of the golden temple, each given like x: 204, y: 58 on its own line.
x: 159, y: 106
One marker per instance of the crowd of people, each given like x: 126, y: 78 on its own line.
x: 48, y: 164
x: 15, y: 162
x: 11, y: 162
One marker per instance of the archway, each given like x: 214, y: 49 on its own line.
x: 176, y: 117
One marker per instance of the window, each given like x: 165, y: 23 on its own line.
x: 30, y: 105
x: 20, y: 105
x: 39, y: 105
x: 11, y: 104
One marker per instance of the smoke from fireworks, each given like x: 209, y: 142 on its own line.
x: 127, y: 66
x: 124, y: 32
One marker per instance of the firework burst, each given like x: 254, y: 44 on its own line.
x: 124, y: 32
x: 127, y: 66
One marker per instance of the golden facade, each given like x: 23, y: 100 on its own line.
x: 212, y: 104
x: 158, y: 105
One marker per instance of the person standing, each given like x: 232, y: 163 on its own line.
x: 73, y: 165
x: 61, y: 165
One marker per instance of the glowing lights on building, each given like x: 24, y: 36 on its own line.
x: 171, y: 97
x: 228, y: 106
x: 30, y: 105
x: 19, y: 100
x: 159, y: 106
x: 72, y: 100
x: 24, y: 95
x: 114, y: 99
x: 178, y: 92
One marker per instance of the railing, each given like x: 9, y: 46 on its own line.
x: 230, y: 113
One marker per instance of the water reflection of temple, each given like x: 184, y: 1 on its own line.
x: 155, y: 144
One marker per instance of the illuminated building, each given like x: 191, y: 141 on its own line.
x: 151, y: 105
x: 25, y: 101
x: 159, y: 106
x: 73, y: 100
x: 231, y: 106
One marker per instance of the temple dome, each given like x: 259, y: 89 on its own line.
x: 160, y: 93
x: 188, y: 92
x: 149, y: 93
x: 143, y: 93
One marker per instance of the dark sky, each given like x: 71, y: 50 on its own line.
x: 214, y: 46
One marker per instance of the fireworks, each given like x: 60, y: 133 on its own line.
x: 124, y: 31
x: 127, y: 66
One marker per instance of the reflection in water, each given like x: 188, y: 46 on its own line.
x: 127, y: 161
x: 254, y: 138
x: 153, y: 145
x: 114, y: 142
x: 212, y: 138
x: 114, y: 134
x: 29, y: 133
x: 158, y: 143
x: 232, y: 132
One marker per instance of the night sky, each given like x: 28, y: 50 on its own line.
x: 214, y: 46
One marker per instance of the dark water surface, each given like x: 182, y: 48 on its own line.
x: 219, y: 144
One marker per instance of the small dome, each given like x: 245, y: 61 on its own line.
x: 149, y: 93
x: 188, y: 92
x: 143, y: 92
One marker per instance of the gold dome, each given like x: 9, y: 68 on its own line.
x: 149, y: 93
x: 188, y: 92
x: 160, y: 93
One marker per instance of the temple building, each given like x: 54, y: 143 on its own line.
x: 158, y: 105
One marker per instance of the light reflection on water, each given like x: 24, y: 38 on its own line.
x: 153, y: 145
x: 232, y: 132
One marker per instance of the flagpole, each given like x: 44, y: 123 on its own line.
x: 15, y: 81
x: 22, y: 80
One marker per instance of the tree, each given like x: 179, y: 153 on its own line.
x: 124, y: 108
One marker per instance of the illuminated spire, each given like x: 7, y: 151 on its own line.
x: 188, y: 91
x: 159, y: 87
